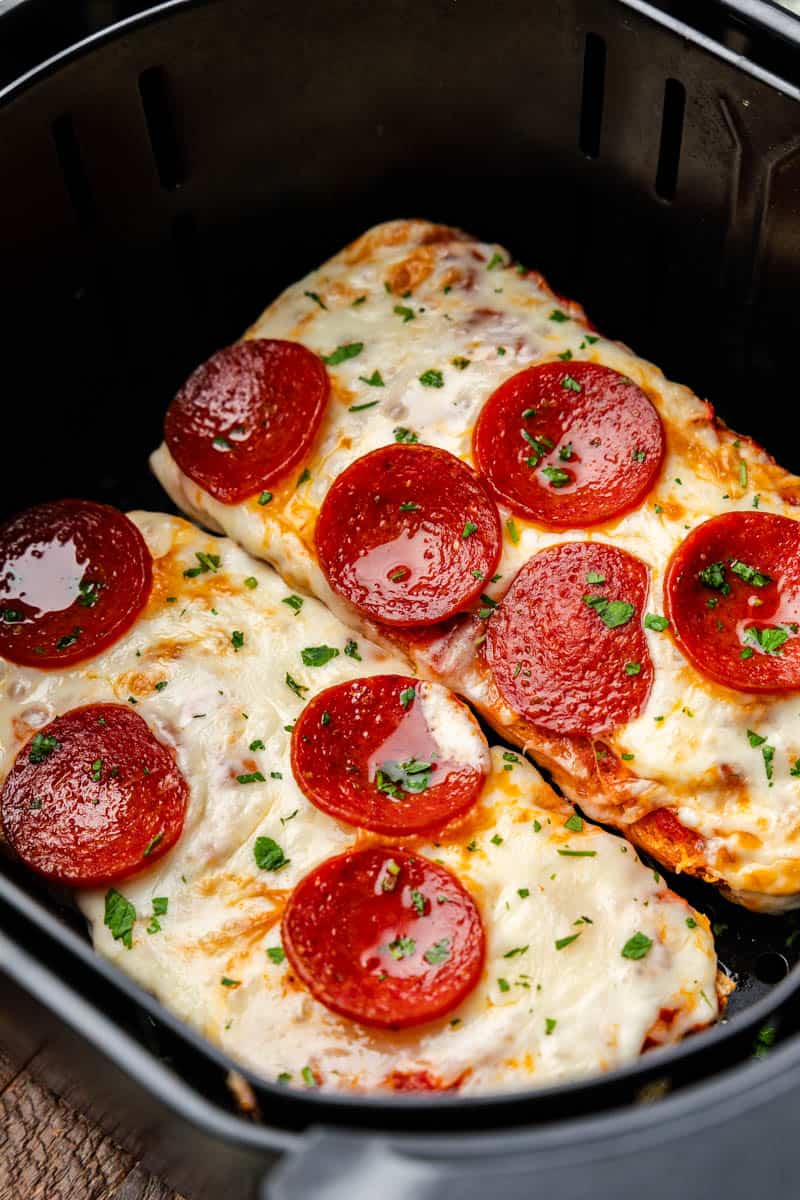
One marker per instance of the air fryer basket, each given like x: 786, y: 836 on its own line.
x: 160, y: 184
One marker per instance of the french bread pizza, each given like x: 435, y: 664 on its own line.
x: 310, y: 855
x: 454, y: 460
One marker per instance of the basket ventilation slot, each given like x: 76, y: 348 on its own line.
x: 159, y: 114
x: 594, y: 77
x: 669, y: 151
x: 73, y: 170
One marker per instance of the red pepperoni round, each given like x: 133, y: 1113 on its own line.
x: 566, y: 645
x: 384, y: 937
x: 93, y: 797
x: 74, y: 575
x: 362, y: 751
x: 732, y: 593
x: 408, y: 535
x: 569, y: 444
x: 247, y: 416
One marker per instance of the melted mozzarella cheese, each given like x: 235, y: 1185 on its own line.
x: 558, y: 1014
x: 691, y: 739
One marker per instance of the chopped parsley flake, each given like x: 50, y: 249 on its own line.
x: 558, y: 315
x: 264, y: 498
x: 42, y: 745
x: 253, y: 777
x: 313, y: 296
x: 361, y: 407
x: 405, y: 312
x: 374, y: 380
x: 402, y: 947
x: 575, y: 823
x: 562, y: 943
x: 656, y: 623
x: 765, y: 1040
x: 120, y: 917
x: 237, y: 640
x: 151, y: 845
x: 571, y: 384
x: 297, y: 688
x: 251, y: 582
x: 257, y: 744
x: 412, y: 776
x: 549, y: 1025
x: 612, y: 613
x: 293, y: 602
x: 317, y: 656
x: 405, y: 435
x: 633, y: 668
x: 342, y: 353
x: 432, y: 379
x: 406, y: 696
x: 769, y: 639
x: 89, y: 591
x: 206, y: 562
x: 469, y: 529
x: 557, y: 476
x: 268, y: 854
x: 460, y: 363
x: 276, y: 954
x: 513, y: 531
x: 750, y: 574
x: 495, y: 261
x: 351, y: 650
x: 637, y: 946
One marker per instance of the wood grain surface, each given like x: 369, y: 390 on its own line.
x: 48, y: 1151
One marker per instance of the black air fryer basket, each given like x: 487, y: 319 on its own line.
x: 160, y: 181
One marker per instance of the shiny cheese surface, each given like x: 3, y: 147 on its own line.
x: 557, y: 1014
x: 689, y: 747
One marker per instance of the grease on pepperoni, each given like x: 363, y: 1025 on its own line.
x: 248, y: 415
x: 566, y: 645
x: 93, y: 797
x: 74, y: 576
x: 569, y: 444
x: 384, y: 937
x: 732, y: 593
x: 364, y: 752
x: 408, y: 535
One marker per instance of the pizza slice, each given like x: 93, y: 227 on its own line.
x: 309, y: 855
x: 450, y: 456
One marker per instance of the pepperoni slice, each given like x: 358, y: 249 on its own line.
x: 364, y: 751
x: 74, y: 575
x: 247, y: 416
x: 93, y: 797
x: 384, y: 937
x: 408, y: 535
x: 566, y: 645
x: 569, y: 444
x: 732, y: 593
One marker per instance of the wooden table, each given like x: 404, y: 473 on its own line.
x: 48, y: 1151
